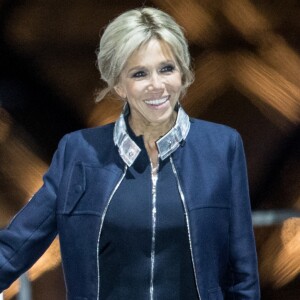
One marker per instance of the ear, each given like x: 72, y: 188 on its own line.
x: 120, y: 91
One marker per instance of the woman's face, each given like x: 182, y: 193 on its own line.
x: 151, y: 83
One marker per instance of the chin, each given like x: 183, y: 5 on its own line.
x: 162, y: 118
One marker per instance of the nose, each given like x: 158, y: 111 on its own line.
x: 156, y: 82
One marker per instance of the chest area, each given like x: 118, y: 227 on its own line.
x: 144, y: 195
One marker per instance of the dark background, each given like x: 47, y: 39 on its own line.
x: 247, y: 64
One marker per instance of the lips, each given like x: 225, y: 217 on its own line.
x: 157, y: 102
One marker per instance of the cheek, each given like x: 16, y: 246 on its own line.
x: 137, y: 88
x: 175, y: 84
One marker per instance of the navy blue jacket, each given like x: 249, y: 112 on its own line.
x: 85, y: 170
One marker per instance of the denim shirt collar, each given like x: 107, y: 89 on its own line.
x: 166, y: 145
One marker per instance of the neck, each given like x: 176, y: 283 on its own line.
x: 151, y: 132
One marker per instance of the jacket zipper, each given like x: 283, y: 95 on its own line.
x: 101, y: 225
x: 187, y: 222
x: 154, y: 177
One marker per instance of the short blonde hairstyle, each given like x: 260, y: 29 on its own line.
x: 128, y: 32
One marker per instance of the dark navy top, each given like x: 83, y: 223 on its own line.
x: 127, y: 237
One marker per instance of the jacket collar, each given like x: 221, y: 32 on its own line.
x: 166, y: 145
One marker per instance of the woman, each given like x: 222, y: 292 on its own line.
x: 154, y: 206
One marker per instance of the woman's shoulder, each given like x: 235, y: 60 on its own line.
x: 204, y: 127
x: 212, y: 137
x: 92, y: 133
x: 95, y: 137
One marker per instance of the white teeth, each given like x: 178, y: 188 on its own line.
x: 157, y: 101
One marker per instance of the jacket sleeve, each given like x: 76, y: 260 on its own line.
x: 243, y: 259
x: 33, y: 229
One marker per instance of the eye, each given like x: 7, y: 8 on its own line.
x: 167, y: 69
x: 139, y: 74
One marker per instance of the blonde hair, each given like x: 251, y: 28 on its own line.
x: 128, y: 32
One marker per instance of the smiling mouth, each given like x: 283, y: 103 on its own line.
x: 157, y: 102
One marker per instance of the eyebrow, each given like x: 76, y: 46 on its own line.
x: 143, y: 67
x: 136, y: 68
